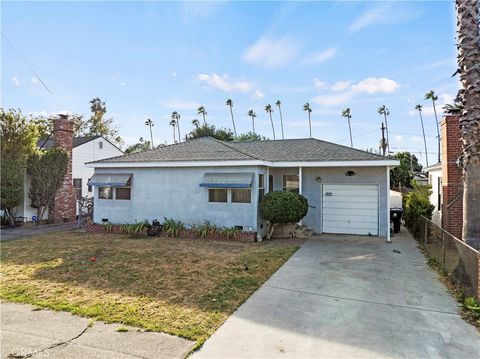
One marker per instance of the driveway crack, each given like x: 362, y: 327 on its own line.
x: 29, y: 355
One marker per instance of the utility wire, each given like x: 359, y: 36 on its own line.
x: 26, y: 63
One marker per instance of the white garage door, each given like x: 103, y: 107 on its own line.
x: 350, y: 209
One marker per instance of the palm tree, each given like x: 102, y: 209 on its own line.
x: 150, y: 123
x: 176, y: 117
x: 430, y: 95
x: 307, y: 108
x: 269, y: 110
x: 279, y: 104
x: 173, y: 123
x: 196, y: 123
x: 383, y: 110
x: 468, y: 46
x: 346, y: 113
x: 419, y: 108
x: 230, y: 104
x: 252, y: 114
x: 202, y: 111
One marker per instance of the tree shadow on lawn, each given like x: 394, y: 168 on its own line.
x: 184, y: 287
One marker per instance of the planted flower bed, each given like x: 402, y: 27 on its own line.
x: 175, y: 229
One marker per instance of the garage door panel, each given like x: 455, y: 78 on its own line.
x: 350, y: 209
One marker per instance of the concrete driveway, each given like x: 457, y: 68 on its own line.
x: 10, y: 233
x: 348, y: 297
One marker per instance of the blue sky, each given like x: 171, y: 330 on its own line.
x: 147, y: 59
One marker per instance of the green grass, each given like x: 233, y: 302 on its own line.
x: 178, y: 286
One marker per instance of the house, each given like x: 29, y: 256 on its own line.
x: 435, y: 181
x: 84, y: 149
x: 446, y: 178
x: 224, y: 182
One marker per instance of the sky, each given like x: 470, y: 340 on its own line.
x: 147, y: 59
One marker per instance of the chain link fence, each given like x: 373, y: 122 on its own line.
x: 454, y: 257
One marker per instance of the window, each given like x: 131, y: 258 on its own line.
x: 217, y: 195
x: 290, y: 183
x: 241, y: 195
x: 77, y: 185
x: 270, y: 183
x: 100, y: 145
x: 105, y: 192
x: 261, y: 187
x: 122, y: 193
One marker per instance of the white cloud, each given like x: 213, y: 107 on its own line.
x: 123, y: 84
x: 340, y: 86
x: 320, y: 57
x: 272, y: 53
x: 192, y: 11
x: 223, y: 83
x: 319, y: 84
x: 333, y: 100
x: 374, y: 85
x: 258, y: 94
x: 176, y: 104
x: 34, y: 80
x: 16, y: 81
x: 174, y: 74
x: 385, y: 13
x: 398, y: 138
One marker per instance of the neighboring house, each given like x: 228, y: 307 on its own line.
x: 435, y: 181
x: 223, y: 182
x: 85, y: 149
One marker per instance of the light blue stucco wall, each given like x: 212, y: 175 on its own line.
x: 175, y: 193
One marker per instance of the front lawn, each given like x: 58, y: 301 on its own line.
x: 178, y: 286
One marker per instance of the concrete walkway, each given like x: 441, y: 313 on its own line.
x: 348, y: 297
x: 9, y: 233
x: 29, y: 333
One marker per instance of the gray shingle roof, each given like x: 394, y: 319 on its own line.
x: 209, y: 149
x: 47, y: 143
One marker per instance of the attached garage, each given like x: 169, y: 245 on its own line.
x: 350, y: 209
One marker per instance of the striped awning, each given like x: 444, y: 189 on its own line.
x: 110, y: 179
x: 227, y: 180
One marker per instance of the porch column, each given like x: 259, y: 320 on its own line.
x: 300, y: 175
x: 388, y: 204
x: 266, y: 181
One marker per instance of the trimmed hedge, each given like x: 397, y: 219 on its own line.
x: 283, y: 207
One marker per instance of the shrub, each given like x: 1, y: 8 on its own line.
x: 283, y: 207
x: 133, y: 229
x: 172, y: 228
x: 417, y: 203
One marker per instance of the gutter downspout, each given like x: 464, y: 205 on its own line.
x: 300, y: 180
x: 388, y: 205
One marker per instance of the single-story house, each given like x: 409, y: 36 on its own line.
x: 224, y: 182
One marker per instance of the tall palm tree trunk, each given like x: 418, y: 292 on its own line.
x: 151, y: 136
x: 204, y: 121
x: 253, y: 124
x: 468, y: 46
x: 350, y: 129
x: 174, y: 138
x: 438, y: 130
x: 271, y: 121
x: 178, y: 128
x: 233, y: 122
x: 424, y: 139
x: 310, y: 124
x: 281, y: 121
x: 386, y: 129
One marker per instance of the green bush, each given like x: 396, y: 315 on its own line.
x: 172, y: 228
x: 283, y: 207
x: 417, y: 203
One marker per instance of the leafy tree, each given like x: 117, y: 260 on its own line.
x: 308, y: 109
x: 416, y: 203
x: 468, y: 48
x: 141, y: 146
x: 98, y: 125
x: 347, y: 114
x: 223, y: 134
x: 249, y: 136
x: 18, y: 140
x: 279, y: 105
x: 47, y: 170
x: 401, y: 176
x: 269, y: 110
x: 45, y: 125
x: 230, y: 104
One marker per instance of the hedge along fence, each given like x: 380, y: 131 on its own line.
x: 194, y: 232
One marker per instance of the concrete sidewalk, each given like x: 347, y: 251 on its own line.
x: 348, y: 297
x: 30, y: 333
x: 10, y: 233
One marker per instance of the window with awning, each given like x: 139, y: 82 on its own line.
x: 111, y: 180
x: 227, y: 180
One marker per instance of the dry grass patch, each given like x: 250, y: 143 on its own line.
x: 183, y: 287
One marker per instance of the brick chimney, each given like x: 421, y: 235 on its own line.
x: 452, y: 180
x: 63, y: 208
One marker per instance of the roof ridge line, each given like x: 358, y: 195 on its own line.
x: 226, y: 144
x: 350, y: 148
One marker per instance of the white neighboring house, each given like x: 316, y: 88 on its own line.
x: 435, y: 180
x: 85, y: 149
